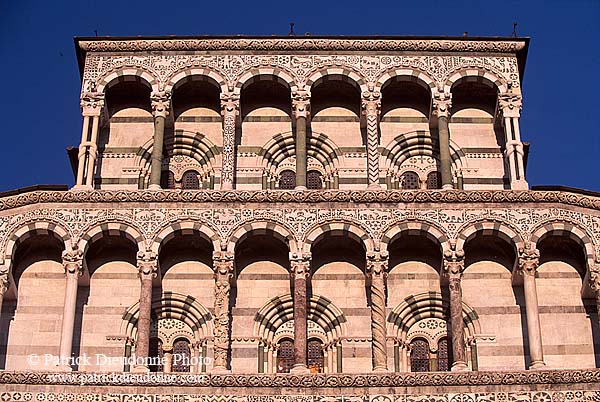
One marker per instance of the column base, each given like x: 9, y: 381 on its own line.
x: 381, y: 370
x: 540, y: 365
x: 300, y: 188
x: 374, y: 186
x: 220, y: 370
x: 154, y: 187
x: 447, y: 187
x: 140, y: 369
x: 459, y: 366
x: 299, y: 369
x: 81, y: 187
x: 226, y: 186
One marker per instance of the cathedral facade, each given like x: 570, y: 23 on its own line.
x: 300, y: 218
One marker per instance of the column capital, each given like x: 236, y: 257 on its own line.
x: 230, y: 103
x: 73, y: 261
x: 454, y: 262
x: 92, y: 103
x: 442, y: 102
x: 300, y: 264
x: 510, y: 104
x: 147, y: 264
x: 529, y: 259
x: 594, y: 279
x: 301, y: 103
x: 160, y: 102
x: 377, y: 263
x: 223, y: 264
x: 371, y: 103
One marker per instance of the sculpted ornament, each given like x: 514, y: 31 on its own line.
x: 301, y: 103
x: 92, y: 103
x: 160, y: 101
x: 529, y: 258
x: 147, y: 263
x: 73, y: 261
x: 3, y: 280
x: 377, y: 263
x: 594, y: 280
x: 442, y: 102
x: 223, y: 266
x: 300, y: 265
x: 371, y: 103
x: 454, y: 262
x: 510, y: 104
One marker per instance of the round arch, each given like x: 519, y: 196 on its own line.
x: 497, y: 228
x: 126, y: 229
x: 427, y: 305
x: 176, y: 306
x: 431, y: 230
x: 476, y: 75
x: 254, y: 74
x: 280, y: 231
x: 29, y: 229
x: 280, y: 310
x: 569, y: 229
x: 344, y: 73
x: 127, y: 74
x: 196, y: 74
x: 348, y: 228
x: 406, y: 74
x: 170, y: 230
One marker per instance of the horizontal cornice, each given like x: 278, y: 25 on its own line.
x: 497, y: 45
x: 589, y: 376
x: 280, y: 196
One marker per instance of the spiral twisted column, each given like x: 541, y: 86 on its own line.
x: 223, y: 267
x: 529, y: 259
x: 230, y: 106
x: 377, y: 264
x: 454, y: 265
x: 371, y: 106
x: 147, y: 263
x: 300, y: 269
x: 73, y: 264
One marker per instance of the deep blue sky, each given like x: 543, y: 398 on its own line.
x: 40, y: 88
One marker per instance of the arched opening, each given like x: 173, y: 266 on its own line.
x: 40, y: 291
x: 336, y: 112
x: 339, y: 257
x: 410, y: 181
x: 314, y: 181
x: 316, y: 358
x: 489, y: 262
x: 156, y: 355
x: 109, y: 258
x: 568, y: 321
x: 285, y: 355
x: 419, y: 356
x: 287, y: 180
x: 472, y: 121
x: 190, y: 180
x: 181, y: 356
x: 414, y: 266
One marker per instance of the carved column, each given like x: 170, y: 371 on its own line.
x: 160, y: 110
x: 230, y: 106
x: 377, y: 264
x: 442, y: 102
x: 3, y: 284
x: 454, y: 264
x: 147, y: 263
x: 91, y: 109
x: 528, y: 263
x: 300, y: 269
x: 223, y: 267
x: 73, y: 265
x: 510, y: 105
x: 301, y: 109
x: 371, y: 105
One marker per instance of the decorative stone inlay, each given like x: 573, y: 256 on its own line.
x: 168, y: 330
x: 432, y: 329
